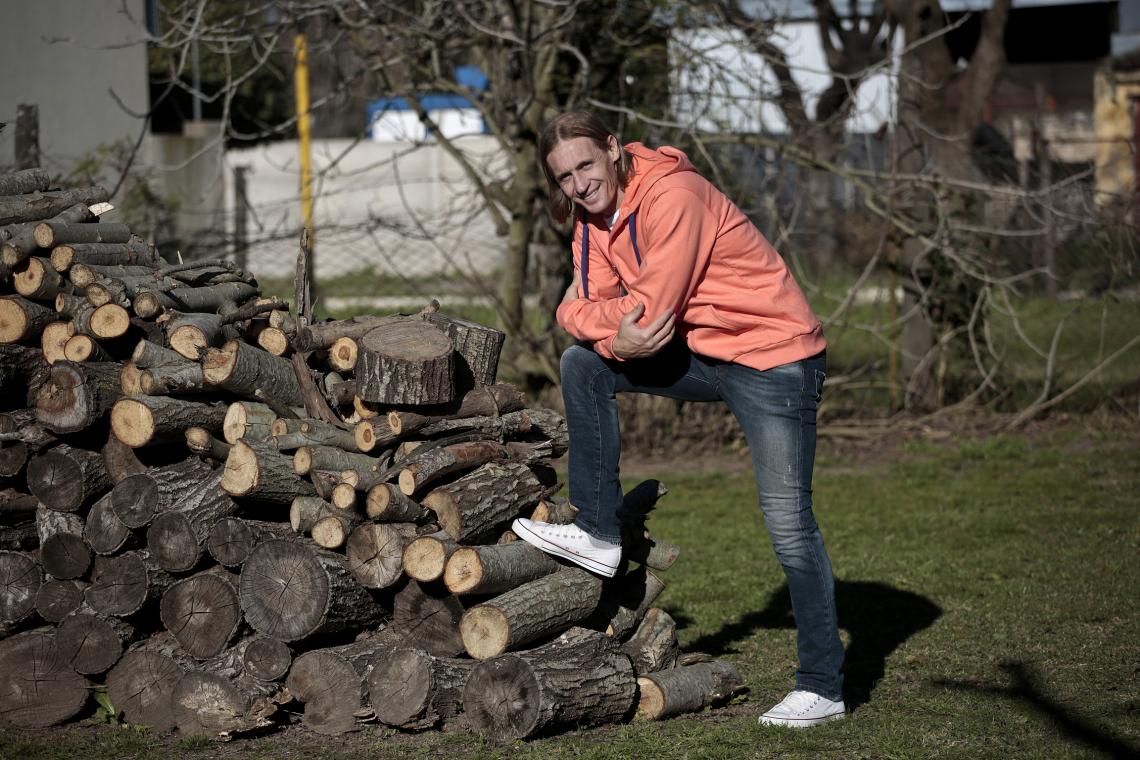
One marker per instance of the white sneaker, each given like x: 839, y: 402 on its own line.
x: 572, y: 543
x: 803, y: 708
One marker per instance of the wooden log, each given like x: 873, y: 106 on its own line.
x: 57, y: 599
x: 426, y: 616
x: 478, y: 348
x: 232, y: 539
x: 110, y: 321
x: 406, y: 362
x: 414, y: 690
x: 20, y: 537
x: 249, y: 420
x: 53, y: 340
x: 477, y: 505
x: 21, y: 242
x: 84, y: 348
x: 275, y: 341
x: 35, y: 279
x: 530, y: 612
x: 32, y: 437
x: 126, y: 584
x: 191, y: 334
x: 309, y: 458
x: 139, y: 498
x: 267, y: 659
x: 177, y: 537
x: 203, y: 444
x: 244, y: 369
x: 433, y: 464
x: 221, y: 699
x: 202, y: 612
x: 22, y: 373
x: 76, y: 396
x: 93, y: 643
x: 654, y: 645
x: 375, y: 552
x: 255, y: 471
x: 328, y: 526
x: 425, y: 559
x: 34, y: 180
x: 626, y: 601
x: 579, y: 679
x: 686, y: 689
x: 20, y: 581
x: 325, y: 334
x: 63, y: 552
x: 374, y: 433
x: 38, y: 687
x: 65, y: 478
x: 500, y: 428
x: 49, y: 234
x: 491, y: 401
x: 386, y: 503
x: 290, y: 591
x: 495, y: 569
x: 331, y: 684
x: 174, y: 379
x: 310, y: 432
x: 342, y: 355
x: 17, y: 505
x: 22, y: 320
x: 134, y: 252
x: 103, y: 531
x: 150, y: 419
x: 142, y: 683
x: 148, y: 354
x: 120, y: 460
x: 216, y: 298
x: 32, y: 207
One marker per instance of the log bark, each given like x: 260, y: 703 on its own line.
x: 93, y: 643
x: 177, y: 538
x: 125, y: 584
x: 38, y: 687
x: 435, y: 463
x: 255, y: 471
x: 495, y: 569
x: 148, y: 354
x: 22, y: 320
x: 104, y: 532
x: 152, y: 419
x: 120, y: 460
x: 267, y: 659
x: 626, y: 601
x: 202, y: 612
x: 244, y: 369
x: 406, y: 362
x: 414, y: 690
x: 328, y: 526
x: 374, y: 433
x: 57, y: 599
x: 309, y: 458
x: 49, y: 234
x: 17, y: 505
x: 477, y: 346
x: 477, y: 505
x: 324, y: 334
x: 232, y: 539
x: 580, y: 679
x: 134, y: 252
x: 36, y: 280
x: 174, y: 379
x: 33, y: 438
x: 22, y: 372
x: 218, y: 298
x: 426, y: 616
x: 375, y: 552
x: 203, y: 444
x: 654, y: 645
x: 686, y: 689
x: 500, y: 428
x: 20, y: 581
x: 491, y: 401
x: 425, y: 559
x: 22, y: 243
x: 221, y: 699
x: 139, y: 498
x: 315, y: 433
x: 34, y: 180
x: 290, y: 591
x: 249, y: 420
x: 76, y: 396
x: 386, y: 503
x: 32, y: 207
x: 63, y: 552
x: 21, y: 537
x: 142, y: 683
x: 332, y: 684
x: 533, y: 611
x: 65, y: 478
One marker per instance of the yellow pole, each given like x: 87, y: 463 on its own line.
x: 301, y: 88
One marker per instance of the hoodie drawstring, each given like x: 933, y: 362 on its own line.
x: 584, y: 267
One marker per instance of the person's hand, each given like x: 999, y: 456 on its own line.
x: 571, y: 293
x: 633, y: 342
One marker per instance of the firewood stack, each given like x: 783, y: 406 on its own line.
x: 212, y: 507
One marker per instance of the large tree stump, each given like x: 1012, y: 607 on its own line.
x: 65, y: 478
x: 139, y: 498
x: 142, y: 682
x: 202, y: 612
x: 256, y: 471
x: 232, y: 538
x: 33, y: 437
x: 267, y: 659
x: 579, y: 679
x: 686, y: 689
x: 57, y: 599
x: 222, y: 699
x: 425, y: 559
x: 412, y: 689
x: 477, y: 505
x: 290, y: 591
x: 498, y: 568
x: 77, y: 395
x: 20, y: 581
x: 93, y: 643
x: 530, y: 612
x: 247, y: 370
x: 406, y: 362
x: 375, y: 552
x: 152, y: 419
x: 478, y: 348
x: 426, y: 616
x: 22, y: 320
x: 38, y: 687
x: 332, y: 683
x: 125, y: 584
x: 654, y: 645
x: 63, y: 552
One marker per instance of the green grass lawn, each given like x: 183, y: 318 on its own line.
x: 989, y: 596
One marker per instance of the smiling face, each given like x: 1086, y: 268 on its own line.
x: 587, y: 174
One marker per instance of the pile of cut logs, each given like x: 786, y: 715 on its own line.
x: 213, y: 507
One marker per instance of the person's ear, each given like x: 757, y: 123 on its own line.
x: 613, y: 149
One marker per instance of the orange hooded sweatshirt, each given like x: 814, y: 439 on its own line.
x: 701, y: 257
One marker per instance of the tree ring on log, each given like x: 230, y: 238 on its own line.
x: 267, y: 659
x: 89, y: 643
x: 133, y: 422
x: 20, y: 581
x: 505, y: 680
x: 141, y: 685
x: 284, y: 591
x: 37, y: 685
x: 485, y: 630
x: 202, y: 613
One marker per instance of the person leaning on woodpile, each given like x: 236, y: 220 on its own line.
x: 676, y: 293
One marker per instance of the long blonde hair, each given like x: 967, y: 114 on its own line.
x: 568, y: 126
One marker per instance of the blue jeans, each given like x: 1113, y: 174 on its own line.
x: 776, y: 409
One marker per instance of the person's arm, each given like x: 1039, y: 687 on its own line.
x: 679, y: 234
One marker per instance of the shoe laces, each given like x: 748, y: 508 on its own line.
x: 799, y: 702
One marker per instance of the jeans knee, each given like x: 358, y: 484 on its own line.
x: 578, y: 362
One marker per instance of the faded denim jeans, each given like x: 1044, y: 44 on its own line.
x: 776, y: 409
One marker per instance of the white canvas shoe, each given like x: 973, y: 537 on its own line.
x: 572, y: 543
x: 801, y: 709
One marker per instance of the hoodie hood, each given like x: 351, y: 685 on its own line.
x: 650, y: 166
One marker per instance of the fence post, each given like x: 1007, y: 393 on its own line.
x: 27, y: 136
x: 241, y: 218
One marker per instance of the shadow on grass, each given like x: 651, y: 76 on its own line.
x: 1026, y: 688
x: 877, y: 617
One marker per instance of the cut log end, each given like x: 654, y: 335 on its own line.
x: 132, y: 421
x: 242, y: 472
x: 485, y: 631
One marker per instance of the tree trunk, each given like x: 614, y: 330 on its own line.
x: 406, y: 362
x: 290, y: 591
x: 530, y: 612
x: 247, y: 370
x: 579, y: 679
x: 202, y: 612
x: 65, y: 478
x: 386, y: 503
x: 478, y: 504
x: 33, y: 207
x: 375, y: 552
x: 38, y: 687
x: 63, y: 552
x: 686, y: 689
x: 654, y: 645
x: 425, y: 559
x: 22, y: 320
x: 478, y: 348
x: 255, y: 471
x: 495, y: 569
x: 125, y: 584
x: 331, y: 683
x: 153, y: 419
x: 20, y: 581
x: 138, y: 498
x: 491, y: 401
x: 93, y: 643
x: 77, y: 395
x: 414, y: 690
x: 134, y: 252
x: 57, y: 599
x: 247, y: 419
x: 177, y: 538
x: 426, y: 616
